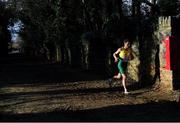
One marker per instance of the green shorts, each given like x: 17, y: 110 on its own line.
x: 122, y: 66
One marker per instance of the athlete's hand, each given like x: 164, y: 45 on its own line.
x: 116, y: 60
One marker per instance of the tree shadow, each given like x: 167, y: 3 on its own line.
x: 161, y: 111
x: 19, y: 98
x: 46, y: 73
x: 157, y: 65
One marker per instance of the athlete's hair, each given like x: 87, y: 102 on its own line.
x: 127, y: 41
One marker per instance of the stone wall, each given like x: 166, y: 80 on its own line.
x: 133, y: 71
x: 166, y: 75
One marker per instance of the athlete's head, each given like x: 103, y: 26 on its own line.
x: 127, y: 44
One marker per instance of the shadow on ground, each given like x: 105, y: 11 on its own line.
x: 17, y: 69
x: 45, y: 73
x: 162, y: 111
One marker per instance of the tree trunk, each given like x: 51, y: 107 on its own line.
x: 133, y: 8
x: 63, y: 54
x: 153, y: 9
x: 4, y: 39
x: 119, y: 7
x: 58, y: 54
x: 136, y: 8
x: 69, y: 56
x: 88, y: 23
x: 85, y: 56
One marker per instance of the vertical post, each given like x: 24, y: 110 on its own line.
x: 166, y: 73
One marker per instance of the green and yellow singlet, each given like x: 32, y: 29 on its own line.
x: 125, y: 54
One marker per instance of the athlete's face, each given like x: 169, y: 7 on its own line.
x: 126, y: 45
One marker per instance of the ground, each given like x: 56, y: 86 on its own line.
x: 51, y: 92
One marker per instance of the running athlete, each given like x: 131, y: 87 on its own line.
x: 122, y: 56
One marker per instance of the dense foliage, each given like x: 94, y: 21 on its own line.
x: 73, y: 32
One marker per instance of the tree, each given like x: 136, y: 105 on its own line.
x: 59, y: 25
x: 5, y: 37
x: 168, y: 7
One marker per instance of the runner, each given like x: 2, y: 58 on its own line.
x: 124, y: 55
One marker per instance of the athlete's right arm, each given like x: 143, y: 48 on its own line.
x: 117, y: 52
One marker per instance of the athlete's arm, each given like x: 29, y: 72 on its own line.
x: 117, y: 52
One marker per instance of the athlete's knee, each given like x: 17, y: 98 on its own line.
x: 117, y: 76
x: 123, y: 76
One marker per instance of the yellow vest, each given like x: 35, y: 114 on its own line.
x: 124, y: 54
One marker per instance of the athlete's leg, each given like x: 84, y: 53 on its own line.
x: 117, y: 76
x: 123, y: 71
x: 120, y: 68
x: 124, y: 83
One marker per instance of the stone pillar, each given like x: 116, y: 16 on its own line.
x: 166, y: 73
x: 166, y: 79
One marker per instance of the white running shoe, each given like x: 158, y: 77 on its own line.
x: 126, y: 92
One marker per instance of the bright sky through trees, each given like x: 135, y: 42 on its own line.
x: 15, y: 30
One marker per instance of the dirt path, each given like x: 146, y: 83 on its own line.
x: 54, y: 93
x: 77, y: 101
